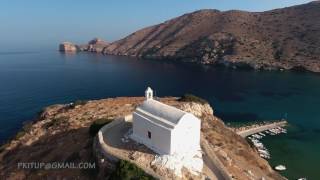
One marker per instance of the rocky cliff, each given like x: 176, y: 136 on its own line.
x: 61, y: 134
x: 67, y: 47
x: 287, y: 38
x: 94, y: 45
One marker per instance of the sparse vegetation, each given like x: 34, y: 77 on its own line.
x: 26, y: 127
x: 127, y: 171
x: 20, y: 134
x: 3, y: 147
x: 236, y: 37
x: 56, y: 121
x: 192, y: 98
x: 98, y: 124
x: 78, y: 103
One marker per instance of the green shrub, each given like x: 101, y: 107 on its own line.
x: 128, y: 171
x: 80, y: 102
x: 97, y: 125
x: 27, y: 126
x: 20, y: 134
x: 192, y: 98
x: 56, y: 121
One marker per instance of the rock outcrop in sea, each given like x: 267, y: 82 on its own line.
x: 68, y: 47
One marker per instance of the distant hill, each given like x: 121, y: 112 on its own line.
x: 287, y: 38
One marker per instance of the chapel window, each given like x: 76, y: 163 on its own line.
x: 149, y: 134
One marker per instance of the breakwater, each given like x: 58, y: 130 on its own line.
x: 257, y: 128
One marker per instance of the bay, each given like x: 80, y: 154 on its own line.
x: 30, y: 81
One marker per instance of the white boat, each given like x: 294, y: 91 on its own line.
x: 280, y: 168
x: 256, y: 135
x: 302, y: 179
x: 263, y: 151
x: 283, y: 131
x: 264, y: 156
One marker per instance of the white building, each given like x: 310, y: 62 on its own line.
x: 165, y: 129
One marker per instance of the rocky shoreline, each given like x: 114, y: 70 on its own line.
x: 241, y: 65
x: 61, y: 134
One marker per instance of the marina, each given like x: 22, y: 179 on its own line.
x: 254, y: 133
x: 255, y: 139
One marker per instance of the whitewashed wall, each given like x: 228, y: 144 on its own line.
x: 160, y: 140
x: 186, y: 135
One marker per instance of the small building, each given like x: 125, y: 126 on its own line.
x: 165, y: 129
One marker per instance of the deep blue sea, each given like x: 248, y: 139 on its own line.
x: 30, y: 81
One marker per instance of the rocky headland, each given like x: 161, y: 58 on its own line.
x: 61, y: 133
x: 280, y: 39
x: 95, y: 45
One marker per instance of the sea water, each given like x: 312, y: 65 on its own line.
x: 30, y: 81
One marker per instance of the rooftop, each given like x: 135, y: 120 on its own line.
x: 166, y: 115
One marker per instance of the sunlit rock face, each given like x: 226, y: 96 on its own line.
x: 97, y: 45
x: 67, y: 47
x: 270, y: 40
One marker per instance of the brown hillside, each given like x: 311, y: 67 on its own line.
x: 282, y: 38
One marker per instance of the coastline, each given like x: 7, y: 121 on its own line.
x: 232, y: 65
x: 269, y: 40
x: 59, y: 119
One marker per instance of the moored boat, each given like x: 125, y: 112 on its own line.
x: 280, y: 168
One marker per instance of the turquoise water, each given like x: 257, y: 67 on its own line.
x: 32, y: 80
x: 299, y: 150
x: 298, y: 95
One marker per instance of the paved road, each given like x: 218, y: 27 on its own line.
x: 213, y: 162
x: 110, y: 142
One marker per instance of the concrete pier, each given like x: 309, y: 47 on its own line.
x: 260, y: 128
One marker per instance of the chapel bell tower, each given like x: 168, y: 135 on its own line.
x: 149, y: 93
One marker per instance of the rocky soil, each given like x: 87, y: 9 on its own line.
x: 287, y: 38
x: 60, y: 134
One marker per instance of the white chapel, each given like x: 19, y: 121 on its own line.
x: 165, y: 129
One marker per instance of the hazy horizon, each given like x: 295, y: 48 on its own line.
x: 42, y: 24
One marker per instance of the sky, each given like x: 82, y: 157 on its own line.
x: 41, y: 24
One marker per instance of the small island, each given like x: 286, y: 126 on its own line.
x: 67, y: 47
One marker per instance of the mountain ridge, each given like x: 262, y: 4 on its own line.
x: 286, y: 38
